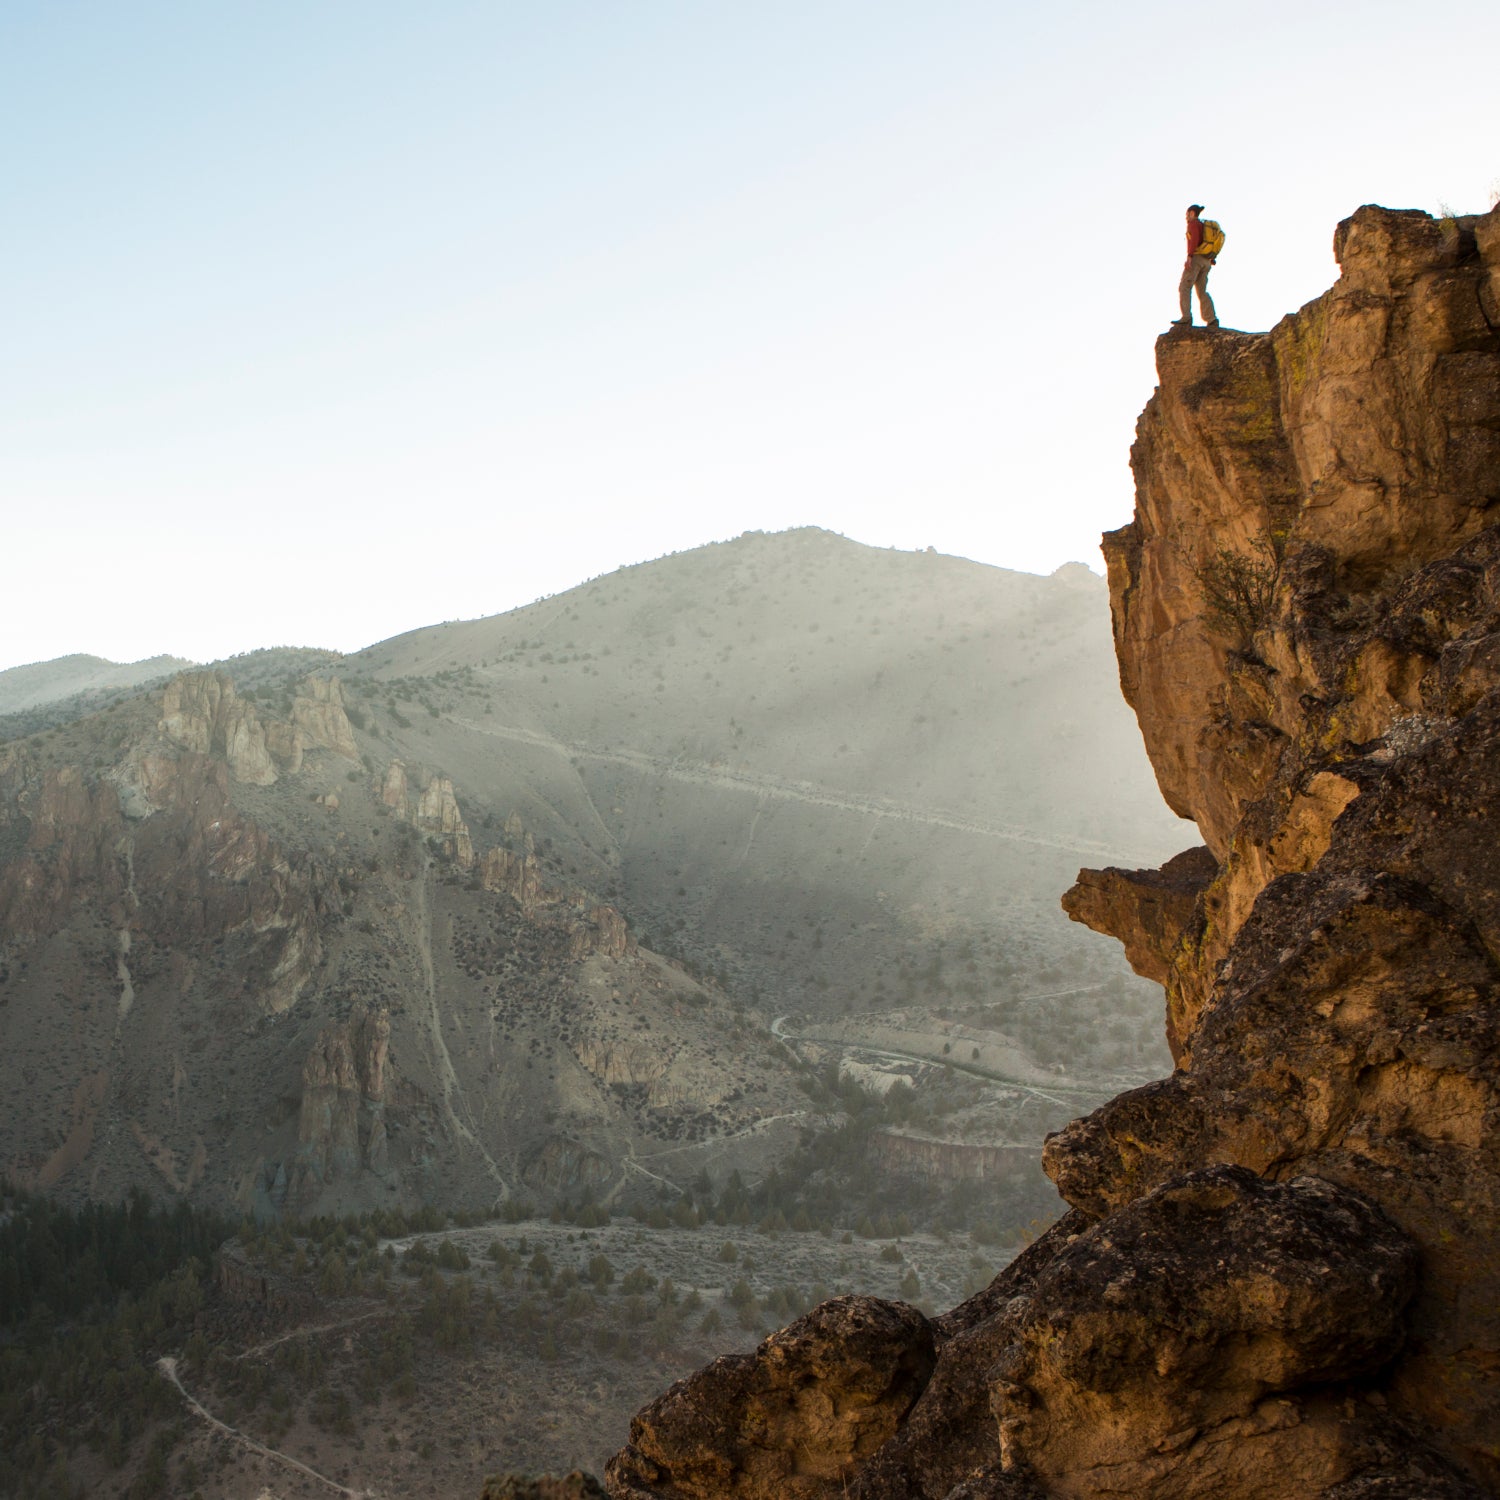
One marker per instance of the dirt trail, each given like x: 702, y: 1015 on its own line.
x: 297, y: 1333
x: 763, y: 785
x: 168, y: 1367
x: 753, y: 1128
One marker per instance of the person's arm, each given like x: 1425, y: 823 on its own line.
x: 1194, y: 237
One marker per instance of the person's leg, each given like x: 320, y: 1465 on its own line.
x: 1205, y: 302
x: 1185, y: 291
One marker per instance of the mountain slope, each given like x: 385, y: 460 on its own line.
x: 775, y: 749
x: 511, y: 906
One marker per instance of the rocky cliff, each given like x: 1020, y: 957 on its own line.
x: 1279, y: 1273
x: 246, y: 959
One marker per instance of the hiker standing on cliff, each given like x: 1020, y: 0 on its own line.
x: 1204, y: 241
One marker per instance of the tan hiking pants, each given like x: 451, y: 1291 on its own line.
x: 1195, y: 274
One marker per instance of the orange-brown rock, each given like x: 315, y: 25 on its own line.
x: 603, y: 930
x: 1179, y: 1346
x: 201, y: 711
x: 72, y: 844
x: 1362, y: 434
x: 437, y: 812
x: 518, y: 876
x: 591, y: 928
x: 318, y: 712
x: 393, y: 789
x: 1332, y: 994
x: 1149, y: 909
x: 1333, y: 458
x: 792, y: 1421
x: 193, y: 867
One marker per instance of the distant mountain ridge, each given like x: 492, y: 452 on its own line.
x: 44, y: 682
x: 513, y: 902
x: 781, y: 743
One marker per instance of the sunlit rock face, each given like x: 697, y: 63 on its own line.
x: 792, y: 1419
x: 1279, y: 1276
x: 1326, y: 477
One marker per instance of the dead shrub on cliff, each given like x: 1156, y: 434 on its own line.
x: 1239, y: 591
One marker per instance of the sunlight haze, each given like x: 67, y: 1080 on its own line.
x: 324, y: 323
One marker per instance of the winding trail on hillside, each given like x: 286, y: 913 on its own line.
x: 755, y: 1127
x: 632, y: 1161
x: 308, y: 1331
x: 700, y: 773
x: 167, y: 1364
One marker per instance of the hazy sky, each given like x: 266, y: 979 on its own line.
x: 322, y: 321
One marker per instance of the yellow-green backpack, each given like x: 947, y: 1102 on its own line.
x: 1213, y: 238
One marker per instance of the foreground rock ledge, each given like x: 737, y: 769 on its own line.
x: 795, y: 1418
x: 1280, y: 1274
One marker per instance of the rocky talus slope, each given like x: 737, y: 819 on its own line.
x: 1279, y: 1275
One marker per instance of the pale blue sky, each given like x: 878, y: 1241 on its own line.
x: 319, y: 322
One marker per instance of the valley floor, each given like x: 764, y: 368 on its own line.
x: 505, y: 1347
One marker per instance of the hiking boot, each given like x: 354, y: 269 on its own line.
x: 1212, y: 323
x: 1182, y: 322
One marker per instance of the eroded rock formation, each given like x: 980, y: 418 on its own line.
x: 1279, y: 1276
x: 432, y: 807
x: 163, y: 850
x: 201, y: 711
x: 591, y: 927
x: 341, y: 1129
x: 268, y: 995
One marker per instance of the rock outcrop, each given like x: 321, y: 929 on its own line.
x: 201, y: 711
x: 567, y: 1165
x: 341, y: 1129
x: 793, y: 1419
x: 163, y: 850
x: 1147, y: 908
x: 228, y: 972
x: 1163, y: 1349
x: 1296, y: 565
x: 1279, y: 1275
x: 906, y: 1153
x: 591, y: 927
x: 432, y: 806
